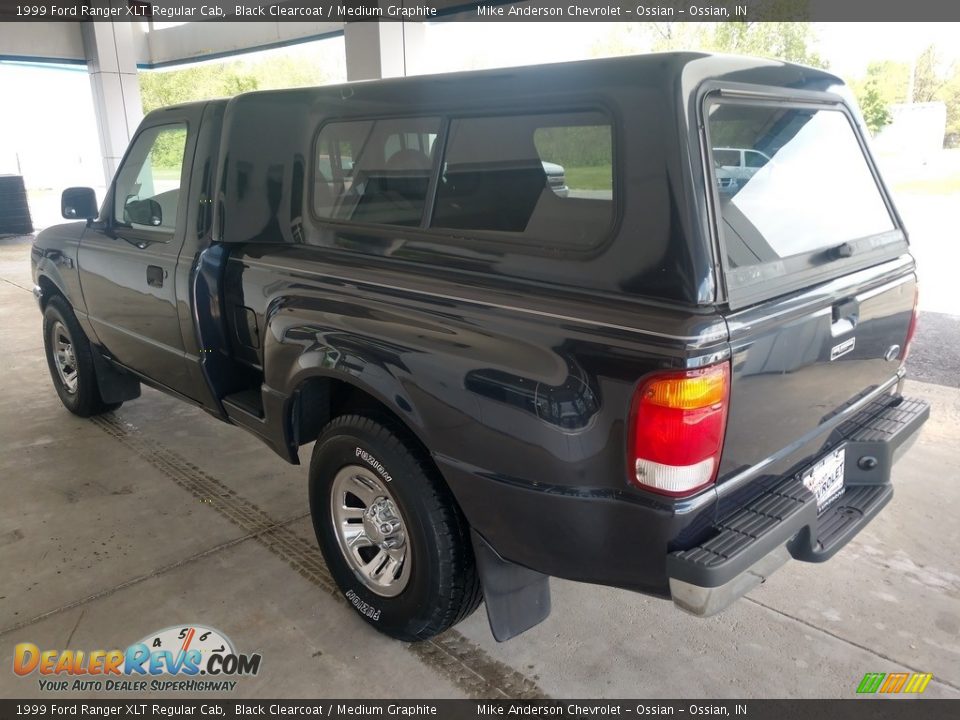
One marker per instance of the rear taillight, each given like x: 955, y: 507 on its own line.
x: 912, y: 328
x: 676, y: 429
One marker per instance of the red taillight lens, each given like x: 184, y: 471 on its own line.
x: 677, y: 425
x: 912, y: 327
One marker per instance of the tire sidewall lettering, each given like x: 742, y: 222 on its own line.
x: 352, y: 449
x: 373, y: 463
x: 362, y: 607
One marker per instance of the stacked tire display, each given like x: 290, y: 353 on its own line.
x: 14, y: 211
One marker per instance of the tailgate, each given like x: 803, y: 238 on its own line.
x: 817, y: 272
x: 799, y: 360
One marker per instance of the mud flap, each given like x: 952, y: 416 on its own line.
x: 114, y: 385
x: 516, y: 597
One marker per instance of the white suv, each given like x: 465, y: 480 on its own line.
x: 741, y: 163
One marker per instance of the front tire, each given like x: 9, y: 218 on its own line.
x: 70, y: 359
x: 394, y: 540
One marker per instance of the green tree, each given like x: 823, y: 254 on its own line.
x: 225, y: 79
x: 890, y: 79
x: 679, y: 35
x: 929, y: 76
x: 950, y: 94
x: 937, y: 81
x: 790, y: 41
x: 887, y: 82
x: 203, y: 82
x: 876, y: 112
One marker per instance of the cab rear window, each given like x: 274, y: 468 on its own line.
x: 803, y: 195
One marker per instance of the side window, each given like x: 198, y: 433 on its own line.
x: 374, y: 171
x: 545, y: 178
x: 755, y: 159
x: 726, y: 158
x: 577, y: 160
x: 147, y: 191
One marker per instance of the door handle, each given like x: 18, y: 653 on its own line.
x: 155, y: 276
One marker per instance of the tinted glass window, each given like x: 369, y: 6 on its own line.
x: 755, y: 159
x: 374, y: 171
x: 807, y: 187
x: 727, y: 158
x: 147, y: 191
x: 543, y: 177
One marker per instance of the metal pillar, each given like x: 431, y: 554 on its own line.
x: 112, y: 64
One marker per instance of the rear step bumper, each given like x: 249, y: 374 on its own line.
x: 783, y: 522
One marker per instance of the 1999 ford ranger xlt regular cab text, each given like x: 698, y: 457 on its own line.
x: 533, y: 327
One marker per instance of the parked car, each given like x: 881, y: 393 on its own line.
x: 740, y: 163
x: 657, y: 387
x: 727, y: 183
x: 556, y: 178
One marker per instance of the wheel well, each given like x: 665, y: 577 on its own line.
x: 49, y: 289
x: 321, y: 399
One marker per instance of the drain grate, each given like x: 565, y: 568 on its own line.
x: 451, y: 654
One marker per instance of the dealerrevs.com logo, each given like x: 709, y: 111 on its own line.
x: 187, y: 658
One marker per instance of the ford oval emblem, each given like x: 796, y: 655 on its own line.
x: 893, y: 352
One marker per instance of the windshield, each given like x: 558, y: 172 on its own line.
x: 791, y: 181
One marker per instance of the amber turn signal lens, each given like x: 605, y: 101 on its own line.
x: 689, y: 391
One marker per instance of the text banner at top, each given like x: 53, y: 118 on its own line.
x: 490, y: 11
x: 357, y: 709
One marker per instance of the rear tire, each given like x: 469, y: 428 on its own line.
x: 393, y: 537
x: 70, y: 359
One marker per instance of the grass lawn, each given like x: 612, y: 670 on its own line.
x: 589, y: 178
x: 165, y: 173
x: 931, y: 186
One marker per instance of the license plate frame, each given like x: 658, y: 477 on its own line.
x: 825, y: 478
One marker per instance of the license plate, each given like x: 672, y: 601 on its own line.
x: 825, y: 478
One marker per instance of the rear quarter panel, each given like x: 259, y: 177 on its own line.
x: 520, y: 399
x: 550, y: 388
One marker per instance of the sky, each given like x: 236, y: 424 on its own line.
x: 850, y: 46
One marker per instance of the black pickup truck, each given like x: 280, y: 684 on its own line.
x: 650, y: 374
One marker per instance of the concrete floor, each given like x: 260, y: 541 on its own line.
x: 158, y: 515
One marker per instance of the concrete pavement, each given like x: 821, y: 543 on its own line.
x: 158, y: 515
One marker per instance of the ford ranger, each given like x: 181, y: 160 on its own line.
x: 645, y: 375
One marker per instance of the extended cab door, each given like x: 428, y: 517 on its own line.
x: 128, y: 257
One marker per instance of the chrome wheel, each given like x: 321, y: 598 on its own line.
x: 64, y: 357
x: 370, y: 530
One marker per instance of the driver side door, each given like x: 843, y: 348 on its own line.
x: 128, y: 256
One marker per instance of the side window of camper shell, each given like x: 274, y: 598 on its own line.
x: 543, y: 179
x: 374, y: 171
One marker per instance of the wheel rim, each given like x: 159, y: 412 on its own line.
x: 64, y: 356
x: 370, y: 530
